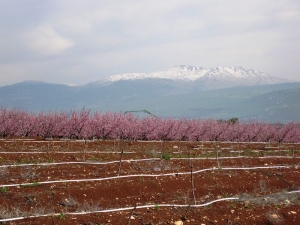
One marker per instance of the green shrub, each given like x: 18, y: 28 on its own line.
x: 166, y: 156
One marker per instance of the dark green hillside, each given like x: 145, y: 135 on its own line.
x: 36, y: 96
x: 244, y: 102
x: 281, y: 105
x: 280, y: 102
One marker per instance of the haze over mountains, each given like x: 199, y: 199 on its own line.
x: 189, y: 91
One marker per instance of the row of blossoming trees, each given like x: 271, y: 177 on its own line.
x: 109, y: 125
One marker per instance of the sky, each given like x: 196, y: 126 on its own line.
x: 79, y: 41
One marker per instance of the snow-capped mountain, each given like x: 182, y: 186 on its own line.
x: 206, y: 78
x: 182, y: 91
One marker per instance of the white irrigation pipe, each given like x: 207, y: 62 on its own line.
x: 237, y: 157
x: 158, y: 205
x: 141, y: 141
x: 78, y: 152
x: 278, y: 156
x: 44, y: 141
x: 290, y: 192
x: 85, y: 163
x: 143, y: 175
x: 140, y: 160
x: 118, y: 209
x: 127, y: 208
x: 255, y: 151
x: 222, y: 142
x: 131, y: 152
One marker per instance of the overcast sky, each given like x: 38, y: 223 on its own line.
x: 80, y: 41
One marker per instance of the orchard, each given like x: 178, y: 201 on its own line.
x: 84, y: 124
x: 84, y: 167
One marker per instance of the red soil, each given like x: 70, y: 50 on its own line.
x: 265, y: 195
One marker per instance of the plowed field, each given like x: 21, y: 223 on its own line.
x: 120, y: 182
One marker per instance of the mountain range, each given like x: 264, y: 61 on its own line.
x: 182, y: 91
x: 204, y: 78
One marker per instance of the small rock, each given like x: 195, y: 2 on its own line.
x: 132, y: 218
x: 293, y: 212
x: 179, y: 222
x: 232, y: 211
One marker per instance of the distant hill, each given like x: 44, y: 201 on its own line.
x: 268, y: 99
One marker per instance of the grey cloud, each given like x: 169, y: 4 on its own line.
x: 62, y: 42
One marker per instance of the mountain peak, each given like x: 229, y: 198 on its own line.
x: 224, y: 76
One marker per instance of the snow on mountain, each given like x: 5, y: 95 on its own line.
x: 209, y: 78
x: 176, y: 73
